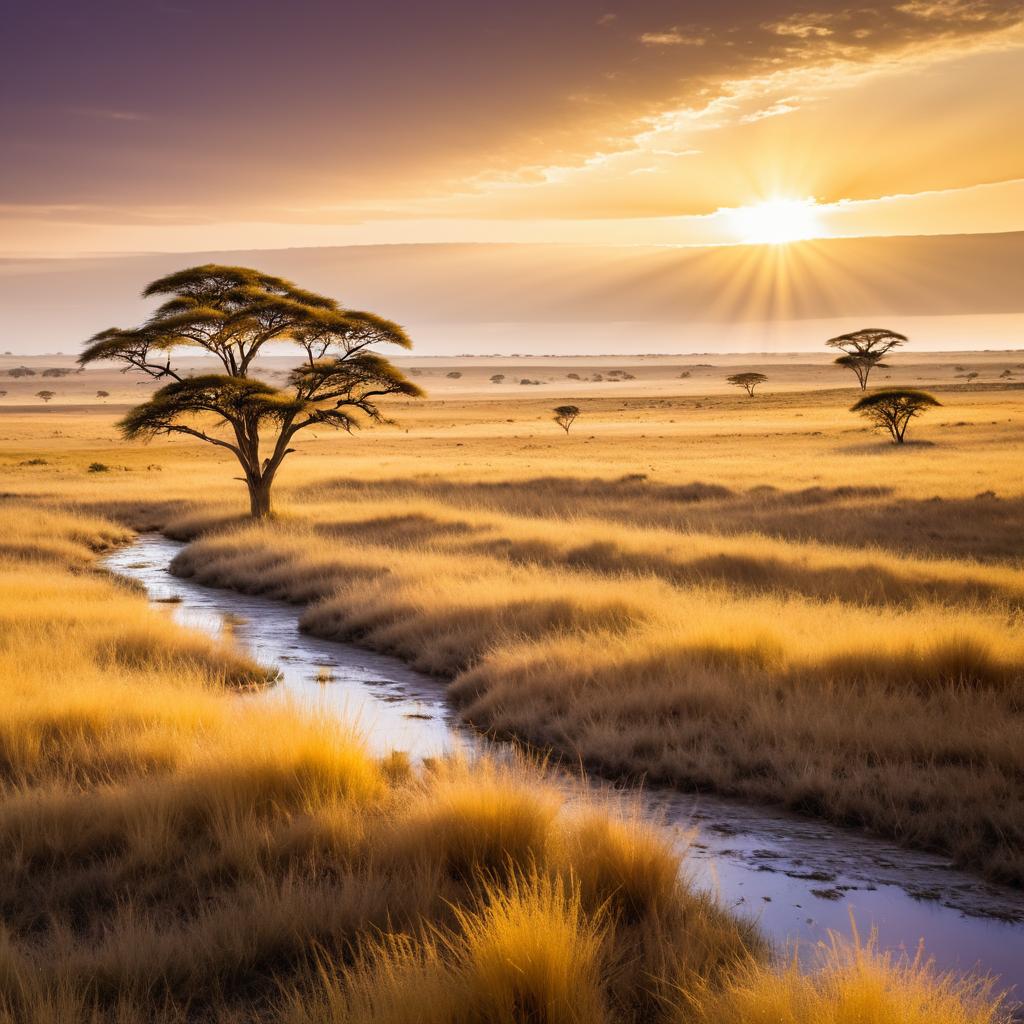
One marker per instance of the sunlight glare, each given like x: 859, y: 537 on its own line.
x: 776, y: 221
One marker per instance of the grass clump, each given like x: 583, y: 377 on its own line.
x: 853, y: 983
x: 527, y: 952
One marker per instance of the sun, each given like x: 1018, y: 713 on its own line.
x: 776, y: 221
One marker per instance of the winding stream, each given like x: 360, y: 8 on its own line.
x: 798, y: 878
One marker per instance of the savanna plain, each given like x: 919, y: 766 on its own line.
x: 758, y: 596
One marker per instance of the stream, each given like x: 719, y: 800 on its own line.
x: 798, y: 878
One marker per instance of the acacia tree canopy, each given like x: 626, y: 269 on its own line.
x: 862, y: 365
x: 231, y: 313
x: 865, y: 349
x: 747, y: 381
x: 894, y: 408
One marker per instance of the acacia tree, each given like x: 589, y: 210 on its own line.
x: 865, y: 349
x: 231, y: 313
x: 894, y: 408
x: 747, y: 381
x: 45, y: 395
x: 565, y: 416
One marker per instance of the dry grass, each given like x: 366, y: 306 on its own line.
x: 903, y: 716
x: 851, y: 983
x: 762, y: 598
x: 171, y: 855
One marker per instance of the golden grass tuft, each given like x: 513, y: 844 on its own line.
x: 486, y: 821
x: 527, y: 952
x: 852, y: 983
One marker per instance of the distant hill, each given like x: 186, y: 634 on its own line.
x: 556, y: 296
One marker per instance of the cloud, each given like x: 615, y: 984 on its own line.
x: 673, y: 37
x: 801, y: 27
x: 786, y: 106
x: 953, y: 10
x: 607, y: 19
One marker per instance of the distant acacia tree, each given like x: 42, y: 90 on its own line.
x: 865, y: 349
x: 893, y: 408
x: 58, y: 371
x: 21, y: 371
x: 747, y: 381
x: 497, y: 378
x: 231, y: 313
x: 102, y: 394
x: 565, y: 416
x: 45, y: 395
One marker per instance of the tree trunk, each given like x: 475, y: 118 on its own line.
x: 259, y: 498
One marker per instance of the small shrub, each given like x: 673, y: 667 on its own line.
x: 98, y: 467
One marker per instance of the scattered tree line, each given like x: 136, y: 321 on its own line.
x: 891, y: 409
x: 231, y: 313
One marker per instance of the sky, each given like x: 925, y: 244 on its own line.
x: 173, y: 126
